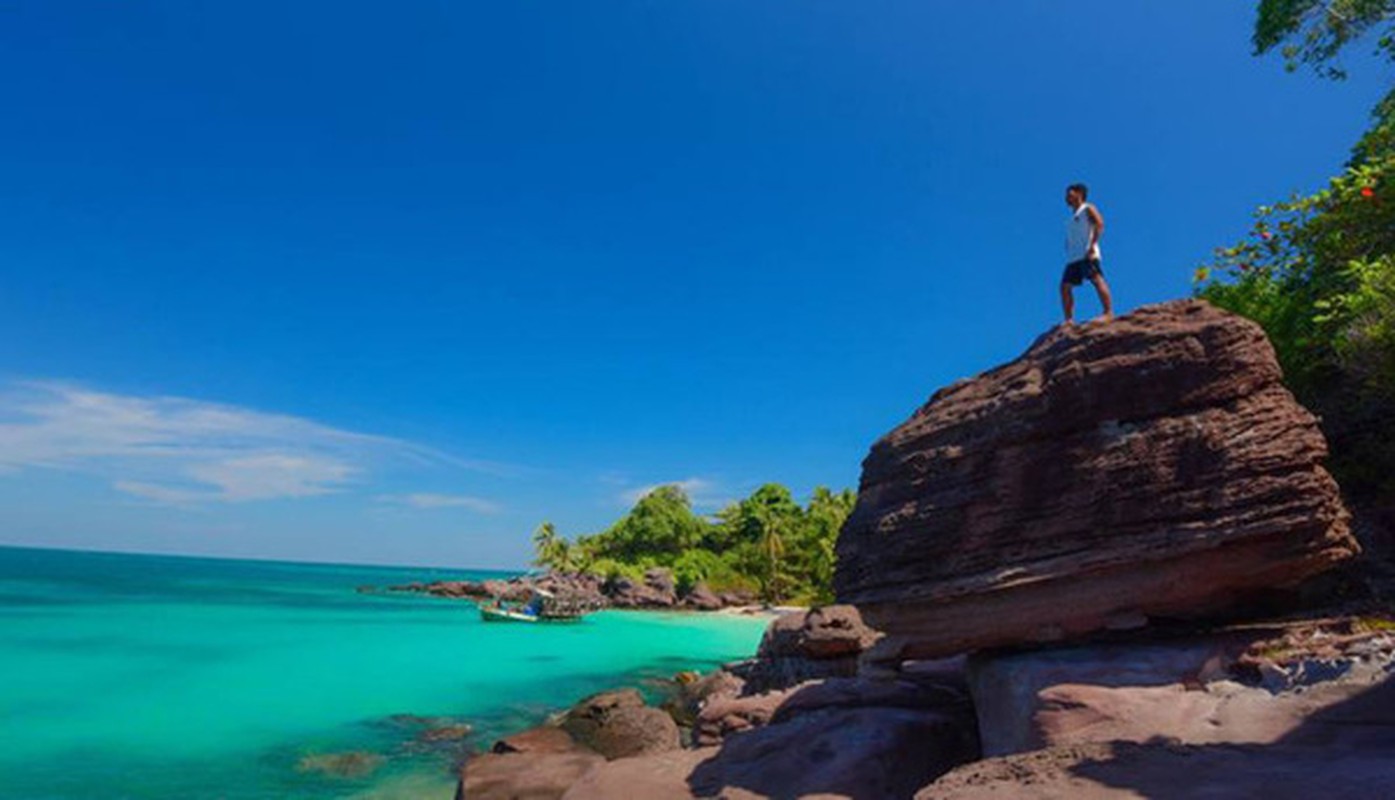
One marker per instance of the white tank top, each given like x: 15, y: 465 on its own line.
x: 1078, y: 236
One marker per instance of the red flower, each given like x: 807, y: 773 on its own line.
x: 1367, y: 191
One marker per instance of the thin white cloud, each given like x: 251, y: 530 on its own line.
x: 161, y: 495
x: 269, y: 475
x: 429, y: 501
x: 182, y: 452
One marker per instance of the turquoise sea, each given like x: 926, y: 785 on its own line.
x: 133, y: 676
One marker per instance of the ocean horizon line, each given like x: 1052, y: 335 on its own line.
x: 261, y: 560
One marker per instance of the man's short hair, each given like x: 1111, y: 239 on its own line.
x: 1079, y: 187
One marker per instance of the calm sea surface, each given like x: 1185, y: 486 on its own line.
x: 127, y: 676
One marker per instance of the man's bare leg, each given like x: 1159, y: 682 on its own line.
x: 1106, y: 299
x: 1068, y: 303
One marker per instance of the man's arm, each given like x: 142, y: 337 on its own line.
x: 1096, y: 227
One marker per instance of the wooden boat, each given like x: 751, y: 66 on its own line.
x: 501, y: 614
x: 542, y: 607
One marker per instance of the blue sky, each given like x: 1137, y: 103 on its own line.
x: 351, y: 282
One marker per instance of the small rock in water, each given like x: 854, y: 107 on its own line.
x: 446, y: 733
x: 354, y: 764
x: 415, y: 721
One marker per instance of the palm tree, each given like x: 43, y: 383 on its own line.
x: 545, y: 541
x: 564, y: 556
x: 772, y: 546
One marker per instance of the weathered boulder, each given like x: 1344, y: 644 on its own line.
x: 801, y: 646
x: 634, y: 731
x: 618, y: 724
x: 819, y: 633
x: 724, y: 714
x: 656, y: 590
x: 695, y: 694
x: 1152, y: 466
x: 660, y: 580
x: 702, y: 598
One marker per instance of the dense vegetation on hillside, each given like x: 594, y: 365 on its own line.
x: 1318, y: 271
x: 766, y: 543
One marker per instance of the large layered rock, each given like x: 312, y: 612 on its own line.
x: 1152, y: 466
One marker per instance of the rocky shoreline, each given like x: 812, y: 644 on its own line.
x: 1112, y: 568
x: 655, y: 591
x: 802, y: 683
x: 809, y: 715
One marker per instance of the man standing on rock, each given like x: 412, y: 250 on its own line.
x: 1083, y: 232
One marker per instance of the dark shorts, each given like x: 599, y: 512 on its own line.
x: 1077, y: 272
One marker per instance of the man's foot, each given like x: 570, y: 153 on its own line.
x: 1105, y: 317
x: 1068, y: 323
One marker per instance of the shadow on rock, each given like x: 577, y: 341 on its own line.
x: 818, y: 745
x: 1342, y: 750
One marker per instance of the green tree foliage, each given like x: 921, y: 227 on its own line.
x: 1314, y: 32
x: 765, y: 542
x: 658, y: 529
x: 551, y: 550
x: 1318, y: 271
x: 1314, y: 273
x: 823, y: 520
x: 754, y: 532
x: 1380, y: 138
x: 705, y: 566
